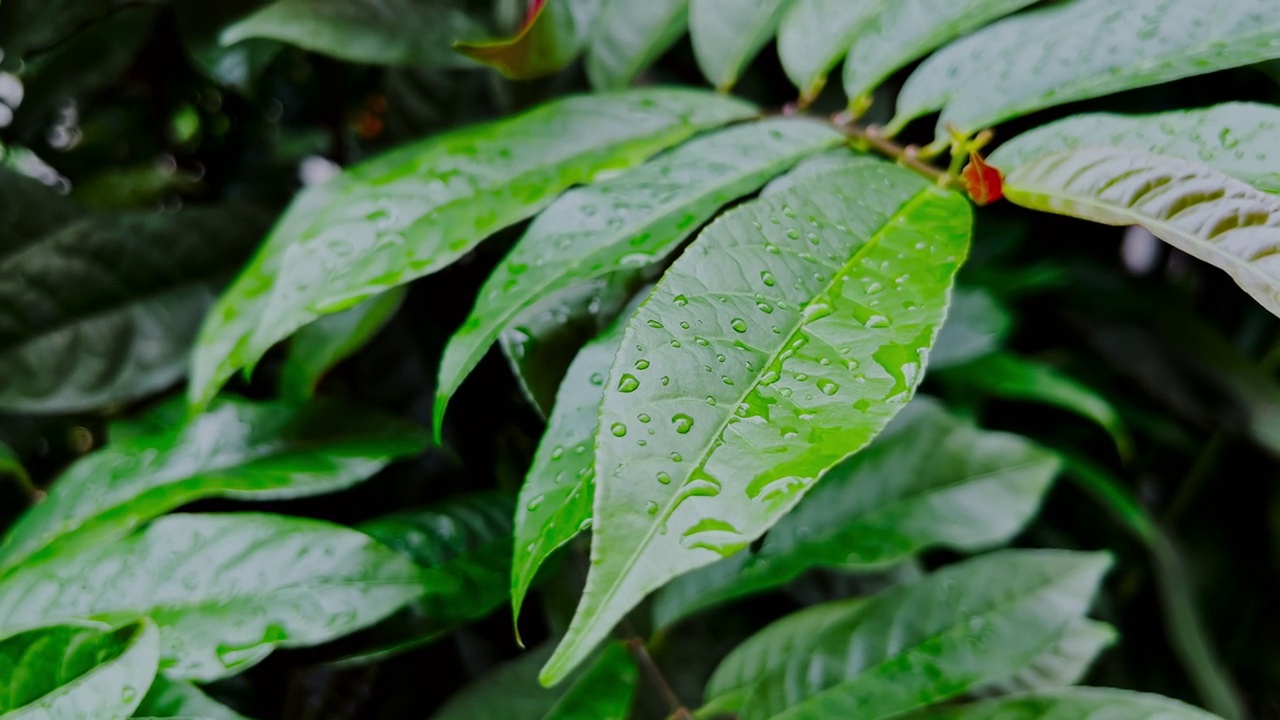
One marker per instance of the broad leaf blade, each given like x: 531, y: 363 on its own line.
x: 977, y: 324
x: 727, y: 35
x: 233, y: 587
x: 133, y: 287
x: 30, y: 211
x: 815, y: 34
x: 959, y: 629
x: 178, y: 699
x: 381, y: 32
x: 553, y: 37
x: 318, y: 347
x: 629, y: 36
x: 903, y: 31
x: 77, y: 671
x: 624, y: 225
x: 412, y: 211
x: 1215, y: 218
x: 1073, y: 704
x: 1063, y: 665
x: 781, y: 342
x: 239, y: 450
x: 1236, y: 139
x: 1027, y: 63
x: 929, y: 480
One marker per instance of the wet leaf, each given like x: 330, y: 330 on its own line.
x: 625, y: 224
x: 629, y: 36
x: 552, y: 37
x: 914, y: 645
x: 1198, y: 210
x: 728, y: 34
x: 1073, y: 704
x: 238, y: 449
x: 84, y: 670
x: 1027, y: 63
x: 1063, y: 665
x: 903, y: 31
x: 131, y: 286
x: 178, y: 699
x: 928, y: 480
x: 30, y: 212
x: 781, y: 342
x: 224, y: 589
x: 1236, y: 139
x: 815, y: 34
x: 380, y: 32
x: 414, y: 210
x: 318, y: 347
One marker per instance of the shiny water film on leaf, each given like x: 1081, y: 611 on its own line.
x: 413, y: 210
x: 239, y: 449
x: 626, y: 224
x: 1236, y: 139
x: 1198, y: 210
x: 78, y: 671
x: 225, y: 590
x: 784, y: 339
x: 914, y: 645
x: 1027, y: 63
x: 928, y: 480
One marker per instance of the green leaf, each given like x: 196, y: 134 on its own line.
x: 11, y: 466
x: 815, y: 34
x: 820, y: 164
x: 781, y: 342
x: 239, y: 450
x: 1016, y: 378
x: 318, y: 347
x: 199, y: 24
x: 1210, y: 216
x: 178, y: 699
x: 86, y: 670
x: 1073, y: 704
x: 625, y: 224
x: 466, y: 539
x: 224, y: 589
x: 928, y: 480
x: 977, y: 324
x: 903, y: 31
x: 1063, y: 665
x: 131, y: 286
x: 914, y: 645
x: 556, y: 498
x: 728, y: 34
x: 38, y: 25
x: 1027, y: 63
x: 602, y: 692
x: 30, y: 211
x: 551, y: 38
x: 380, y: 32
x: 412, y: 211
x: 1236, y: 139
x: 629, y: 36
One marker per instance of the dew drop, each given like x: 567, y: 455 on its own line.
x: 534, y: 503
x: 683, y: 423
x: 597, y: 379
x: 768, y: 279
x: 643, y: 417
x: 557, y: 452
x: 651, y: 508
x: 618, y: 429
x: 738, y: 325
x: 655, y: 324
x: 680, y: 300
x: 828, y: 387
x: 642, y: 364
x: 677, y: 457
x: 664, y: 478
x: 628, y: 383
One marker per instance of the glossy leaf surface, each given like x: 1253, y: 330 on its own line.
x: 381, y: 32
x: 928, y: 480
x: 1073, y: 704
x: 318, y: 347
x: 30, y: 211
x: 239, y: 449
x: 552, y: 37
x: 815, y: 34
x: 629, y: 36
x: 132, y: 287
x: 914, y: 645
x: 1236, y: 139
x: 903, y: 31
x: 728, y: 34
x: 1063, y: 665
x: 70, y: 672
x: 1027, y: 63
x: 179, y: 699
x: 224, y: 589
x: 1210, y: 216
x: 414, y: 210
x: 626, y: 224
x: 778, y: 344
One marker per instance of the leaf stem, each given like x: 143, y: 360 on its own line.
x: 636, y: 645
x: 874, y: 138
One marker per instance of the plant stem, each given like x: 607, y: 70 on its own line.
x: 636, y: 645
x: 1200, y: 472
x: 906, y: 155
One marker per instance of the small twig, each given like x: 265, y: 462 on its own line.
x: 907, y: 155
x: 636, y: 645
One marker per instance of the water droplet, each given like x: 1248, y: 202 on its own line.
x: 794, y: 234
x: 642, y: 364
x: 683, y: 423
x: 643, y: 417
x: 655, y: 324
x: 801, y: 377
x: 534, y: 503
x: 618, y: 429
x: 664, y: 478
x: 628, y: 383
x: 726, y: 380
x: 584, y: 525
x: 557, y: 452
x: 772, y: 249
x: 768, y: 279
x: 675, y: 344
x: 597, y: 379
x: 711, y: 401
x: 666, y: 380
x: 677, y: 457
x: 828, y: 387
x: 680, y: 300
x: 651, y: 508
x: 738, y: 325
